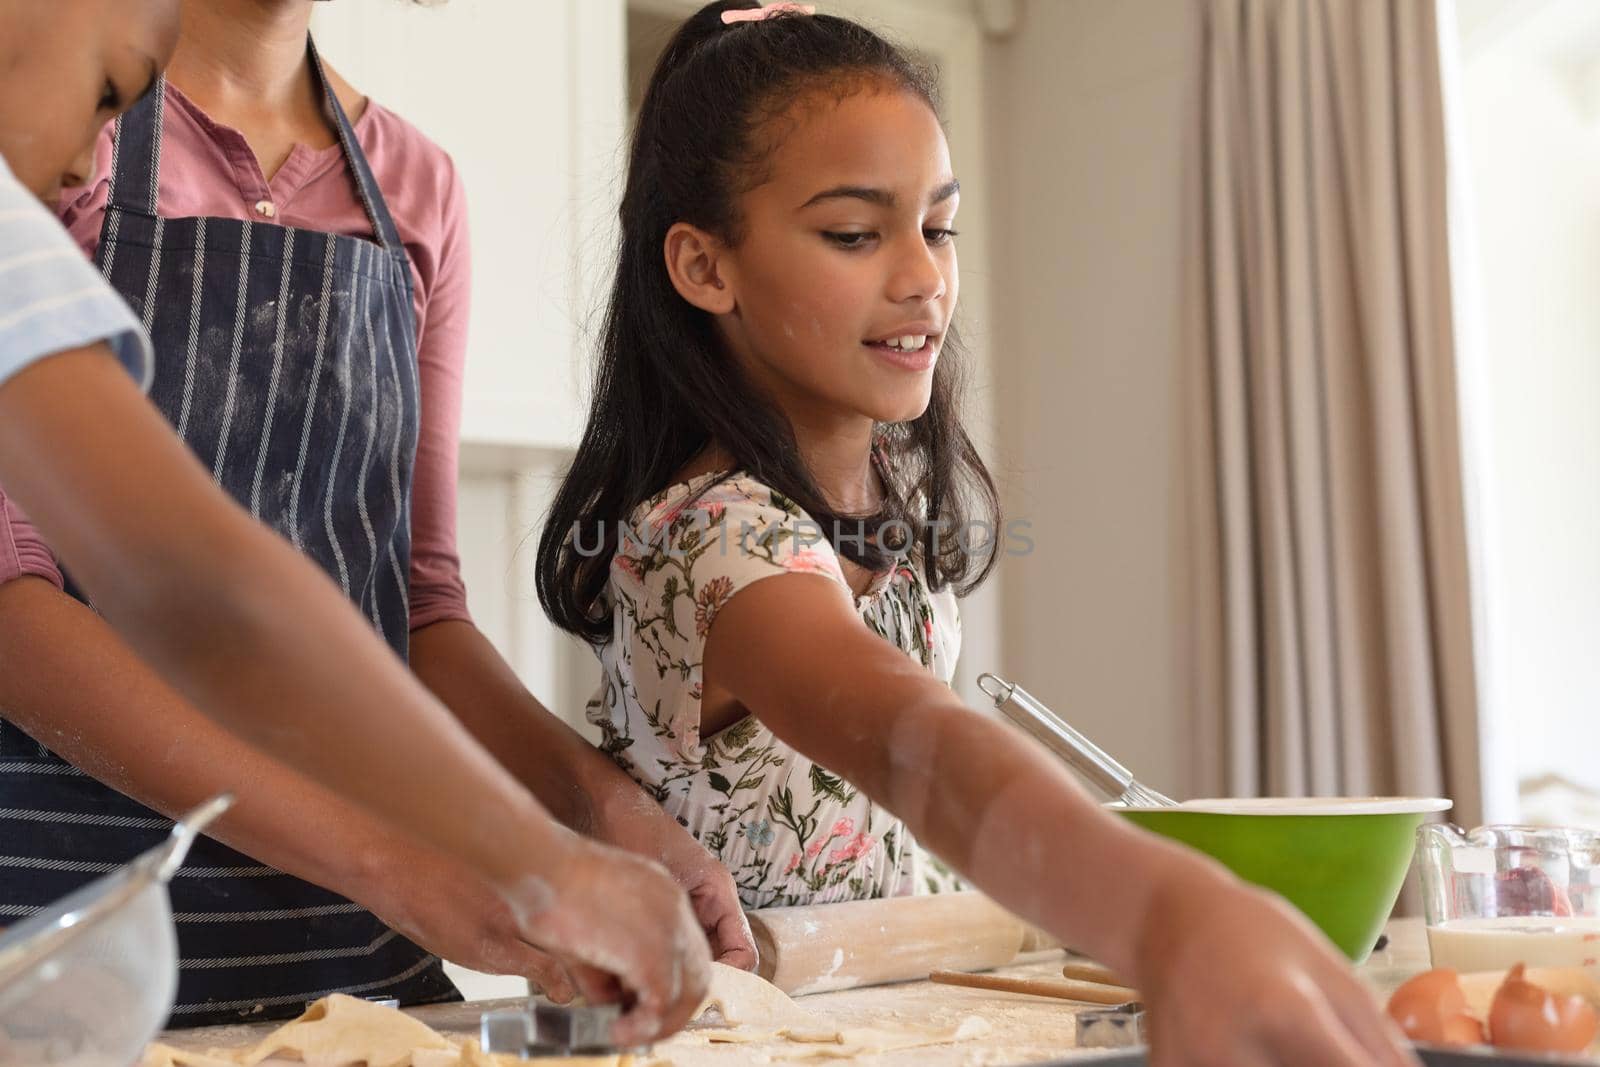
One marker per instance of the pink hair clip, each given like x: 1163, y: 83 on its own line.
x: 756, y: 14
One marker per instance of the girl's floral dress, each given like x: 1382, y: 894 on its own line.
x: 790, y: 831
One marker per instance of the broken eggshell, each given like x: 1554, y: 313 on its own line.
x: 1432, y: 1007
x: 1529, y: 1018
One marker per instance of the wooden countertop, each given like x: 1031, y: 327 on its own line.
x: 1025, y: 1029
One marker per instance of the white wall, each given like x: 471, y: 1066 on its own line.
x: 528, y: 98
x: 1086, y: 109
x: 1533, y: 164
x: 502, y: 508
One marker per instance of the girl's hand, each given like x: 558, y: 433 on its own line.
x: 1234, y: 977
x: 716, y: 904
x: 634, y: 822
x: 622, y: 929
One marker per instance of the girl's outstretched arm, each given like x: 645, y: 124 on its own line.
x: 251, y: 633
x: 1232, y: 975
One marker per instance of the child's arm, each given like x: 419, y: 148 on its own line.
x: 253, y: 634
x: 69, y: 681
x: 1232, y: 975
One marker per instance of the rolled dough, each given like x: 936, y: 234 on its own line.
x: 341, y: 1031
x: 745, y: 999
x: 758, y: 1012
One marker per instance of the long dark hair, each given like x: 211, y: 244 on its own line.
x: 665, y: 387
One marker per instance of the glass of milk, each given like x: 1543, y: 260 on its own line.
x: 1501, y: 895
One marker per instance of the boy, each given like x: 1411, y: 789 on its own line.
x: 252, y: 633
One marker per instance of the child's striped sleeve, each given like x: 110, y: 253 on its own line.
x: 51, y: 298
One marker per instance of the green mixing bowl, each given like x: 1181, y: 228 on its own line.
x: 1340, y: 860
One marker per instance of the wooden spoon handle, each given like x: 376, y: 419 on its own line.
x: 1059, y: 988
x: 1089, y: 971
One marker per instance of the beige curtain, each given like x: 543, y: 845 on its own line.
x: 1329, y: 642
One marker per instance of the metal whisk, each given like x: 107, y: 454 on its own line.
x: 1080, y: 753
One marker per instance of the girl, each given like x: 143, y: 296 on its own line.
x: 247, y: 628
x: 763, y: 531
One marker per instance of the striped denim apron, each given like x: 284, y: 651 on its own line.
x: 287, y: 361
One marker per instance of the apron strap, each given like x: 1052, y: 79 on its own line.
x: 136, y: 156
x: 371, y: 197
x: 136, y: 153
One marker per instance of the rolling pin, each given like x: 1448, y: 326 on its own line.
x: 822, y: 947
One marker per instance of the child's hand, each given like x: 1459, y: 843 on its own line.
x: 715, y: 901
x: 1233, y: 977
x: 622, y: 929
x: 636, y: 823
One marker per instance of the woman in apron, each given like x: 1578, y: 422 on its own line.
x: 310, y: 340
